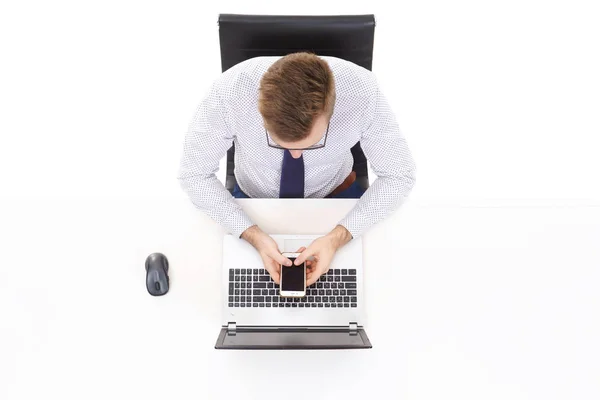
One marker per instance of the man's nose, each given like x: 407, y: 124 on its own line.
x: 296, y: 153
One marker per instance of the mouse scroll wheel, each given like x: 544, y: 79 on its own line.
x: 157, y: 286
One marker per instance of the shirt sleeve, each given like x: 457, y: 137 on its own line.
x: 206, y: 142
x: 387, y: 151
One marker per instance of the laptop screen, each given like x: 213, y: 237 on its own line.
x: 292, y: 339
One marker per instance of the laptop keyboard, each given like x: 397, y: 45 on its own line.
x: 255, y: 288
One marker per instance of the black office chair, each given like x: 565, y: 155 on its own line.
x: 349, y: 37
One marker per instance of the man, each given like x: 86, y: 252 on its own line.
x: 293, y: 120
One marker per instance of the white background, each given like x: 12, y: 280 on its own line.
x: 499, y: 257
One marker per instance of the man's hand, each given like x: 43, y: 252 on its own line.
x: 323, y: 249
x: 268, y: 250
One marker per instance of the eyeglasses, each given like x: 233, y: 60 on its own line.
x: 318, y: 145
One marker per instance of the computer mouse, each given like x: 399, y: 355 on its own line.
x: 157, y: 274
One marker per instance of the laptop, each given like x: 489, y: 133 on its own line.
x: 255, y: 316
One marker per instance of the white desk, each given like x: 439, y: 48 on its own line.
x: 477, y: 303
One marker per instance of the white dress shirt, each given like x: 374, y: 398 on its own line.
x: 229, y: 114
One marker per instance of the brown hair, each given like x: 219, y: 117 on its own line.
x: 294, y: 91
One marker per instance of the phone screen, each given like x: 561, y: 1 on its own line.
x: 292, y: 278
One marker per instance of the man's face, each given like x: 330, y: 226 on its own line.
x: 316, y: 134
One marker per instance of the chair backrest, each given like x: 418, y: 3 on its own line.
x: 349, y: 37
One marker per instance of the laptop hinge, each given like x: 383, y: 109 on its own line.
x: 353, y: 327
x: 231, y: 327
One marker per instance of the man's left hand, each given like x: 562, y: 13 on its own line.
x: 323, y: 250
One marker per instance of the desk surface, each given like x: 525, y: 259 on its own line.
x: 481, y: 303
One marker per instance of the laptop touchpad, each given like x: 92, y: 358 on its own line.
x: 292, y: 245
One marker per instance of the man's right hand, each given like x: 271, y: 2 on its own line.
x: 268, y: 250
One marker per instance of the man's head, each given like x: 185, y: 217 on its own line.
x: 296, y: 99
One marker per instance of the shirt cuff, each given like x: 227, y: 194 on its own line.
x: 237, y: 222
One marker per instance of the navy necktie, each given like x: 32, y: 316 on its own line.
x: 292, y: 177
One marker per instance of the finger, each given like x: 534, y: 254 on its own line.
x: 312, y: 278
x: 304, y: 255
x: 280, y: 259
x: 301, y: 249
x: 273, y: 269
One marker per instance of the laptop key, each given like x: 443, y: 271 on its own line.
x: 344, y: 272
x: 353, y: 299
x: 301, y: 305
x: 248, y: 305
x: 237, y: 270
x: 271, y: 292
x: 353, y: 305
x: 295, y: 305
x: 288, y: 304
x: 261, y: 304
x: 289, y: 300
x: 270, y: 285
x: 329, y: 278
x: 248, y: 271
x: 248, y: 285
x: 315, y: 304
x: 262, y: 271
x: 333, y: 305
x: 230, y: 304
x: 242, y: 304
x: 311, y: 299
x: 256, y: 292
x: 342, y: 292
x: 237, y: 292
x: 242, y: 299
x: 339, y: 299
x: 337, y: 278
x: 329, y: 292
x: 349, y: 278
x: 230, y: 290
x: 255, y: 278
x: 336, y: 292
x: 318, y: 299
x: 231, y: 299
x: 336, y: 271
x: 330, y: 272
x: 350, y: 285
x: 237, y: 278
x: 255, y: 271
x: 323, y: 278
x: 236, y: 305
x: 331, y: 299
x: 255, y: 304
x: 351, y: 292
x: 346, y: 305
x: 237, y: 299
x: 320, y: 285
x: 303, y: 300
x: 327, y: 285
x: 296, y: 300
x: 243, y: 278
x: 268, y: 305
x: 264, y: 278
x: 265, y: 292
x: 259, y: 285
x: 327, y: 305
x: 243, y: 292
x: 268, y: 299
x: 352, y: 271
x: 346, y: 299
